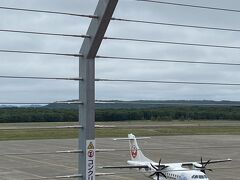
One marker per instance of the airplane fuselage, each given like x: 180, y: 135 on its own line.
x: 174, y: 171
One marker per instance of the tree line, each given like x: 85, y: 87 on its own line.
x: 17, y: 115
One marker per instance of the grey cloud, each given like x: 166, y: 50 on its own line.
x: 34, y: 65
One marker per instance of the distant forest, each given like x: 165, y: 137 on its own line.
x: 163, y: 113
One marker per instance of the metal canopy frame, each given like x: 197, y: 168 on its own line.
x: 89, y: 49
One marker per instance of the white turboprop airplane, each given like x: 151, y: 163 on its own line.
x: 158, y: 171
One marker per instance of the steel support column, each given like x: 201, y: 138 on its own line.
x: 89, y: 49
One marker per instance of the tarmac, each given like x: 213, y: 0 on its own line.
x: 23, y: 167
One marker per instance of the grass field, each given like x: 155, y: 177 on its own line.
x: 154, y: 129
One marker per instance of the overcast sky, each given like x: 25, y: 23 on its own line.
x: 53, y: 66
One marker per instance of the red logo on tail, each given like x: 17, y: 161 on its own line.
x: 134, y: 151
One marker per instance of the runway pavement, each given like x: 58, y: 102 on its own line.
x: 16, y: 167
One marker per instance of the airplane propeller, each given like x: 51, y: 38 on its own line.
x: 158, y: 171
x: 203, y: 166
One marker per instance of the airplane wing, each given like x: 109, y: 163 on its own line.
x: 191, y: 165
x: 216, y: 161
x: 125, y: 167
x: 131, y: 166
x: 206, y: 162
